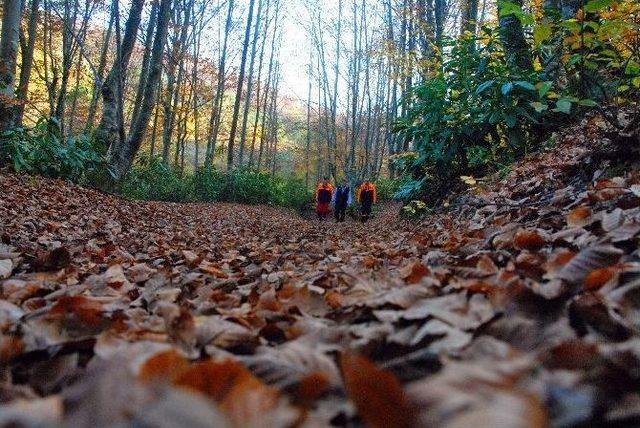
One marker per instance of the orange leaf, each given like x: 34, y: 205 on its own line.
x: 377, y: 394
x: 311, y: 387
x: 243, y: 397
x: 333, y: 299
x: 413, y: 273
x: 579, y: 216
x: 85, y: 310
x: 597, y: 278
x: 213, y: 270
x: 212, y: 378
x: 371, y: 262
x: 528, y: 240
x: 167, y: 365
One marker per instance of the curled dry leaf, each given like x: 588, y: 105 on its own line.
x: 165, y: 366
x: 73, y: 310
x: 377, y: 394
x: 414, y: 272
x: 579, y: 216
x: 528, y: 240
x: 6, y: 267
x: 598, y: 277
x: 55, y: 259
x: 587, y: 260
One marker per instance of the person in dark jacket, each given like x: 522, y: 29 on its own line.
x: 367, y: 196
x: 341, y: 200
x: 323, y: 198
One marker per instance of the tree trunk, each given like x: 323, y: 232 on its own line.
x: 120, y: 161
x: 144, y: 70
x: 27, y: 61
x: 236, y: 106
x: 247, y: 97
x: 515, y: 45
x: 216, y: 108
x: 8, y: 58
x: 110, y: 130
x: 98, y: 78
x: 468, y: 16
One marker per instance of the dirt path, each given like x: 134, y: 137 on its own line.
x: 517, y: 309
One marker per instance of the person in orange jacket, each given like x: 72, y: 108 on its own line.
x: 323, y: 198
x: 367, y: 196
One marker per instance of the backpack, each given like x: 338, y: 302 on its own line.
x: 366, y: 197
x: 342, y: 195
x: 324, y: 195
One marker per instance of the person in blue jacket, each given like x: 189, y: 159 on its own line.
x: 341, y: 200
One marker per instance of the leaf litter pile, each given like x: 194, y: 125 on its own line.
x: 517, y: 307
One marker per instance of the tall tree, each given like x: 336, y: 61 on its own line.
x: 110, y: 131
x: 247, y: 96
x: 121, y: 158
x: 27, y: 50
x: 468, y: 16
x: 9, y: 39
x: 516, y: 49
x: 236, y: 105
x: 144, y: 69
x: 216, y: 108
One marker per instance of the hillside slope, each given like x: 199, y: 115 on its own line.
x: 517, y: 307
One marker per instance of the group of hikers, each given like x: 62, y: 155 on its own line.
x: 341, y: 197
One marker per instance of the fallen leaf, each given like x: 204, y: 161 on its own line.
x: 377, y: 394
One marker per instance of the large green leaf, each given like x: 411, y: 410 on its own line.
x: 632, y: 68
x: 594, y: 5
x: 544, y: 88
x: 541, y: 33
x: 539, y: 107
x: 525, y: 85
x: 484, y: 86
x: 563, y: 105
x: 587, y: 103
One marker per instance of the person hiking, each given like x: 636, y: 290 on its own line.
x: 323, y: 198
x: 341, y: 200
x: 367, y: 196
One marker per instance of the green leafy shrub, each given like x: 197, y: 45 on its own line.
x: 292, y: 192
x: 414, y: 209
x: 477, y: 113
x: 150, y: 179
x: 250, y: 186
x: 42, y: 150
x: 388, y: 187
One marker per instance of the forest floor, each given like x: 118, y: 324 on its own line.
x: 518, y: 306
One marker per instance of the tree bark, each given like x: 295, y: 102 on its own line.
x: 110, y: 130
x: 247, y: 96
x: 27, y: 61
x: 9, y: 40
x: 121, y: 159
x: 144, y: 69
x: 236, y: 106
x: 515, y: 45
x: 468, y: 16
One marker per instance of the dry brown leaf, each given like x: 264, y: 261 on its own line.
x: 6, y: 267
x: 414, y: 272
x: 579, y: 216
x: 587, y: 260
x: 165, y: 366
x: 528, y: 240
x: 377, y: 394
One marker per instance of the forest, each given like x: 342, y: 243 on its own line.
x: 170, y: 171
